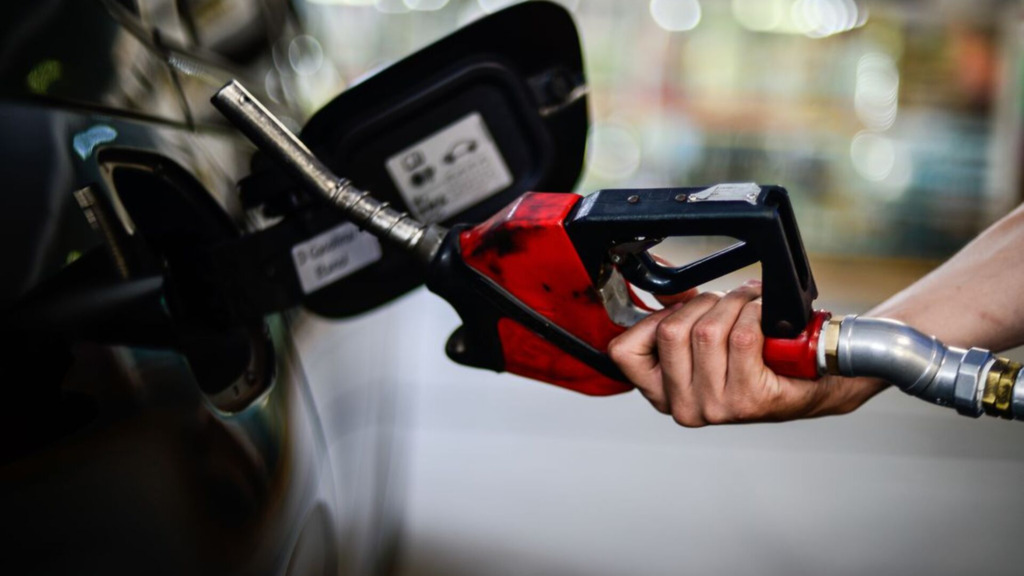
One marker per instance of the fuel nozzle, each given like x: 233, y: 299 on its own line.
x: 374, y: 216
x: 973, y: 381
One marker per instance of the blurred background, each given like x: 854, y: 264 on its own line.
x: 893, y: 124
x: 896, y: 128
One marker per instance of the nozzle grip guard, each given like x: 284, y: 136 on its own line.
x: 629, y: 221
x: 646, y: 273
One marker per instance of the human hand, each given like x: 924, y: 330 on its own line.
x: 700, y: 360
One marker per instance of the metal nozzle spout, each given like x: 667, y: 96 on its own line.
x: 973, y: 381
x: 376, y: 217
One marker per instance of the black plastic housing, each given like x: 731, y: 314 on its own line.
x: 764, y: 224
x: 520, y: 69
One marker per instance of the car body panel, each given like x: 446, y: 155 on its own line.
x: 114, y: 460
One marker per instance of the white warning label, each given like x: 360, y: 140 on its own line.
x: 332, y: 255
x: 450, y: 170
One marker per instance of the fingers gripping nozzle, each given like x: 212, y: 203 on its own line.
x: 972, y: 381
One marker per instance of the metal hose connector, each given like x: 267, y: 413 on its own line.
x: 972, y: 381
x: 273, y: 138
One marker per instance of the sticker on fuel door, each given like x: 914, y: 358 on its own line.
x: 450, y: 170
x: 333, y: 255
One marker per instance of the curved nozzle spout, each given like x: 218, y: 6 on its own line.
x: 370, y: 214
x: 973, y: 381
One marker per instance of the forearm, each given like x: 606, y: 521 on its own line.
x: 976, y: 298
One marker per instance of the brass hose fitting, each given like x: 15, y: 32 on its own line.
x: 997, y: 398
x: 830, y: 337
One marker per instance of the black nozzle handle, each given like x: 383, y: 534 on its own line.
x: 623, y: 224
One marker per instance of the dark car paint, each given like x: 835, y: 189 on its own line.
x: 113, y: 460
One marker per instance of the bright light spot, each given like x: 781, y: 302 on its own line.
x: 676, y: 15
x: 814, y: 18
x: 800, y: 17
x: 876, y: 94
x: 862, y: 16
x: 490, y: 6
x: 86, y: 142
x: 305, y: 55
x: 901, y: 175
x: 344, y: 2
x: 873, y: 155
x: 391, y: 6
x: 821, y: 18
x: 613, y: 151
x: 760, y: 15
x: 43, y: 75
x: 273, y: 87
x: 882, y: 161
x: 425, y: 5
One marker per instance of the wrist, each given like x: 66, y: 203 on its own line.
x: 847, y: 394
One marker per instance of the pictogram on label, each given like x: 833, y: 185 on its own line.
x: 450, y: 170
x: 333, y: 255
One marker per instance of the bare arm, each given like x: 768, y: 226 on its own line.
x: 976, y: 298
x: 700, y: 361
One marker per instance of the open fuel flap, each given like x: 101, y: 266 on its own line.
x: 450, y: 134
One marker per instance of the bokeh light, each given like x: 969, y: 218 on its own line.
x: 873, y: 155
x: 391, y: 6
x: 676, y: 15
x: 813, y: 18
x: 425, y: 5
x: 613, y: 151
x: 876, y: 95
x: 760, y: 15
x: 305, y: 55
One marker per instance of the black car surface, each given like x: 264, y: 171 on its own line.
x: 194, y: 448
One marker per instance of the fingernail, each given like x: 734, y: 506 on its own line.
x: 753, y: 283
